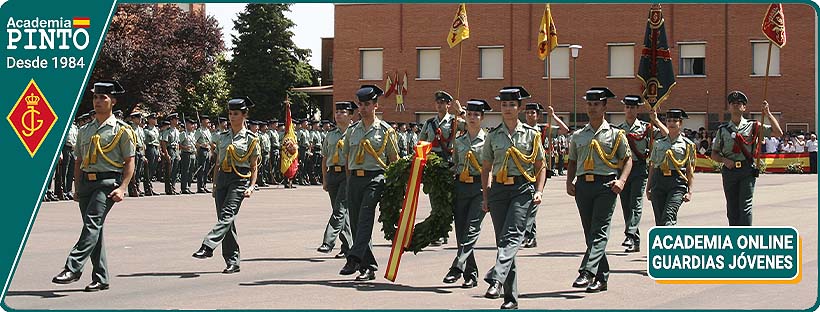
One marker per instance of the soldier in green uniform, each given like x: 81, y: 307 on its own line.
x: 65, y: 173
x: 202, y: 138
x: 640, y: 135
x: 151, y: 134
x: 599, y: 157
x: 334, y: 181
x: 303, y: 140
x: 273, y: 134
x: 467, y: 212
x: 402, y: 139
x: 514, y: 155
x: 135, y: 121
x: 439, y: 130
x: 187, y: 144
x: 264, y: 143
x: 235, y: 174
x: 735, y: 145
x: 102, y: 171
x: 169, y: 143
x: 369, y: 146
x: 671, y: 172
x: 316, y: 150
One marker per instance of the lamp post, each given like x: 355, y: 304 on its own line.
x: 574, y: 49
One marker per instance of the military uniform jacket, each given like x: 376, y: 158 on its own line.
x: 333, y: 148
x: 499, y: 140
x: 139, y: 136
x: 264, y: 143
x: 71, y: 138
x: 402, y: 142
x: 202, y: 137
x: 431, y: 127
x: 105, y: 146
x: 187, y: 143
x: 682, y: 149
x: 171, y: 137
x: 303, y: 136
x: 611, y: 140
x: 316, y: 139
x: 639, y: 138
x: 151, y: 135
x: 274, y: 139
x: 474, y: 146
x: 724, y: 142
x: 358, y: 141
x: 242, y: 141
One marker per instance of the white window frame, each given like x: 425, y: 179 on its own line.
x: 775, y: 49
x: 552, y: 56
x: 681, y: 58
x: 609, y: 47
x: 419, y: 63
x: 362, y: 52
x: 481, y: 61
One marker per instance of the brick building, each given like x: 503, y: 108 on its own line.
x: 715, y: 48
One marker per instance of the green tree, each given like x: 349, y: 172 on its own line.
x: 266, y: 62
x: 210, y: 94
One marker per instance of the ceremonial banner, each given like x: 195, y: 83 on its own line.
x: 389, y: 86
x: 407, y: 218
x: 655, y: 69
x: 774, y: 25
x: 289, y: 151
x: 547, y: 34
x: 459, y: 30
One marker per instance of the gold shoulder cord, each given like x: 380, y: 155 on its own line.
x: 669, y: 156
x: 518, y: 157
x: 229, y: 163
x: 589, y: 163
x: 469, y: 160
x: 365, y: 146
x: 96, y: 149
x: 339, y: 146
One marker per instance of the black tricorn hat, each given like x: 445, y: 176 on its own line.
x: 535, y: 106
x: 368, y: 93
x: 598, y: 94
x: 515, y: 93
x: 346, y: 105
x: 478, y: 105
x: 240, y: 103
x: 676, y: 113
x: 107, y: 87
x: 634, y: 100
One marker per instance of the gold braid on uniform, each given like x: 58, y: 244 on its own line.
x: 589, y: 163
x: 469, y: 160
x: 229, y: 163
x: 518, y: 157
x: 365, y: 146
x: 97, y: 149
x: 339, y: 146
x: 669, y: 156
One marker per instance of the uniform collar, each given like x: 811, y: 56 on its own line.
x: 604, y: 126
x: 242, y: 132
x: 743, y: 121
x: 111, y: 121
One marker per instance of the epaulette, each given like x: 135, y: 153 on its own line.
x: 615, y: 126
x: 687, y: 140
x: 251, y: 134
x: 124, y: 124
x: 386, y: 125
x: 723, y: 125
x: 497, y: 127
x: 536, y: 129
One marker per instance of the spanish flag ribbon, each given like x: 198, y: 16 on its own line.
x: 289, y: 164
x: 407, y: 217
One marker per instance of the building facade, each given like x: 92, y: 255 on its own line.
x: 716, y: 48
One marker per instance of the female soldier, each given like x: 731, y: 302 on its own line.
x: 514, y: 155
x: 234, y: 178
x: 467, y: 210
x: 670, y: 173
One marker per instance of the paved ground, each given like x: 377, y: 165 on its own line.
x: 150, y: 240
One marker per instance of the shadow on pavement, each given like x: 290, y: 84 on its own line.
x: 360, y: 286
x: 168, y: 274
x: 557, y: 254
x: 637, y: 272
x: 566, y: 294
x: 42, y: 293
x: 322, y: 259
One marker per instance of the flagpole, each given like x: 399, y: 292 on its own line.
x: 766, y: 78
x: 549, y: 102
x: 458, y: 81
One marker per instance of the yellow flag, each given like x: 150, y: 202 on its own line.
x: 547, y: 35
x: 459, y: 30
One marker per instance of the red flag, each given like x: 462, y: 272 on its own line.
x: 389, y: 87
x: 774, y: 25
x: 404, y: 84
x: 290, y: 151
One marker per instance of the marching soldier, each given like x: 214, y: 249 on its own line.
x: 734, y: 146
x: 264, y: 143
x: 441, y: 129
x: 65, y: 173
x: 334, y: 181
x: 671, y: 174
x: 102, y: 173
x: 273, y: 134
x: 303, y: 139
x: 468, y: 213
x: 370, y: 145
x: 640, y: 135
x: 514, y: 155
x: 597, y: 153
x: 202, y: 138
x: 170, y: 152
x: 316, y: 149
x: 139, y: 156
x: 151, y: 134
x: 187, y: 145
x: 234, y: 180
x: 402, y: 139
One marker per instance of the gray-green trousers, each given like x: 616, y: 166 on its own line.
x: 187, y: 171
x: 339, y: 223
x: 531, y: 226
x: 510, y: 206
x: 667, y: 197
x: 596, y: 203
x: 363, y: 194
x: 632, y: 199
x: 468, y: 217
x: 173, y: 171
x: 739, y: 187
x: 94, y: 207
x: 228, y: 195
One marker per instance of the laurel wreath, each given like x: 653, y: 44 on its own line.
x: 437, y: 182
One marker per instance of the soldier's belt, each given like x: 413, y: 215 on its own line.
x: 96, y: 176
x: 362, y: 173
x: 590, y: 178
x: 511, y: 180
x: 336, y: 169
x: 470, y: 179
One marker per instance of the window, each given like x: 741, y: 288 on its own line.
x: 559, y: 57
x: 759, y: 53
x: 692, y: 59
x: 185, y: 7
x: 491, y: 62
x: 429, y: 63
x: 621, y: 60
x: 371, y: 60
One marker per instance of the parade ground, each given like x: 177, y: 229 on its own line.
x: 149, y: 242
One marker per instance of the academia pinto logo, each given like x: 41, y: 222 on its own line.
x: 32, y: 118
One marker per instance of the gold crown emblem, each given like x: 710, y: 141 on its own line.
x: 32, y: 99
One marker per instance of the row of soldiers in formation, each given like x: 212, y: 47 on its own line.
x: 500, y: 171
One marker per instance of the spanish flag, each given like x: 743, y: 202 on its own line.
x: 547, y: 35
x: 774, y: 25
x: 81, y: 22
x: 289, y: 164
x: 459, y: 30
